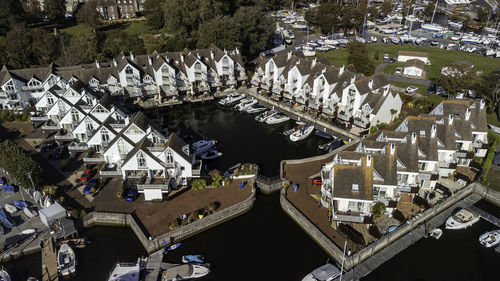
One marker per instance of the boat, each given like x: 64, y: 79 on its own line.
x: 193, y: 259
x: 202, y: 146
x: 325, y: 272
x: 20, y: 204
x: 302, y: 133
x: 252, y: 110
x: 126, y: 271
x: 245, y: 104
x: 277, y: 118
x: 30, y: 213
x: 185, y: 272
x: 2, y: 214
x: 2, y: 182
x: 461, y: 219
x: 66, y: 260
x: 323, y: 134
x: 308, y: 53
x: 436, y: 233
x: 265, y: 115
x: 8, y: 187
x: 10, y: 208
x: 392, y: 228
x: 37, y: 195
x: 28, y: 231
x: 490, y: 239
x: 4, y: 276
x: 330, y: 146
x: 432, y: 27
x: 173, y: 247
x: 47, y: 202
x: 77, y: 242
x: 455, y: 24
x: 211, y: 154
x: 6, y: 223
x: 231, y: 99
x: 32, y: 279
x: 230, y: 171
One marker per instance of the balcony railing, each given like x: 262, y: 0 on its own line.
x: 93, y: 158
x: 51, y: 127
x: 39, y: 118
x: 343, y: 115
x: 363, y: 123
x: 32, y: 88
x: 110, y: 170
x: 349, y: 218
x: 64, y: 137
x: 74, y: 146
x: 196, y: 169
x: 151, y: 183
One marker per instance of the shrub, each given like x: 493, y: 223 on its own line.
x: 198, y: 184
x: 174, y: 224
x: 378, y: 210
x: 50, y: 189
x: 61, y: 199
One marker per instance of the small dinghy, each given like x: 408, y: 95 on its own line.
x: 490, y: 238
x: 10, y: 208
x: 66, y: 260
x: 172, y: 247
x: 2, y: 214
x: 4, y: 276
x: 211, y: 154
x: 8, y: 187
x: 193, y: 259
x: 20, y: 204
x: 28, y: 231
x: 436, y: 233
x: 30, y: 213
x: 7, y: 224
x: 37, y: 195
x: 392, y: 228
x: 302, y: 133
x: 323, y: 134
x: 253, y: 110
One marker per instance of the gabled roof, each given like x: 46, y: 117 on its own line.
x: 177, y: 144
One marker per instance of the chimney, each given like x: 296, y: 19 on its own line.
x: 467, y: 114
x: 386, y: 90
x: 237, y: 51
x: 182, y: 58
x: 225, y: 51
x: 353, y: 79
x: 393, y: 149
x: 368, y: 161
x: 481, y: 104
x: 370, y: 84
x: 198, y: 55
x: 289, y: 56
x: 212, y: 54
x: 323, y: 70
x: 413, y: 138
x: 433, y: 131
x: 114, y: 62
x: 313, y: 63
x: 132, y: 57
x: 341, y: 70
x: 150, y: 60
x: 97, y: 64
x: 450, y: 119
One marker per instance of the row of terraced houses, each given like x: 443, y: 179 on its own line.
x: 420, y: 153
x: 334, y: 92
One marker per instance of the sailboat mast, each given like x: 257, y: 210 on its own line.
x: 434, y: 13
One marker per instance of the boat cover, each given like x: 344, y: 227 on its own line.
x: 326, y: 271
x: 8, y: 187
x: 20, y: 204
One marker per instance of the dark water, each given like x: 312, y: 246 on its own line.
x: 240, y: 138
x: 109, y: 245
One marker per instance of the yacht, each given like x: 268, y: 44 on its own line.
x: 490, y: 238
x: 202, y: 146
x: 461, y: 219
x: 231, y: 99
x: 326, y: 272
x: 252, y: 109
x: 185, y: 272
x: 309, y: 52
x: 277, y: 118
x: 4, y: 276
x: 265, y: 115
x: 245, y: 104
x: 432, y: 27
x: 302, y: 133
x: 126, y: 271
x: 457, y: 25
x: 66, y: 260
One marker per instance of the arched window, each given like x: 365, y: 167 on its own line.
x: 104, y: 135
x: 129, y: 70
x: 141, y: 160
x: 169, y: 157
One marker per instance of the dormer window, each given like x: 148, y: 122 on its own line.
x: 169, y: 157
x: 34, y: 82
x: 104, y: 135
x: 129, y: 70
x: 99, y: 109
x: 9, y: 86
x: 74, y: 115
x: 355, y: 188
x: 50, y: 99
x: 141, y: 160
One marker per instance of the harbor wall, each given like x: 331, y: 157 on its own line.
x: 487, y: 193
x: 152, y: 244
x: 319, y: 124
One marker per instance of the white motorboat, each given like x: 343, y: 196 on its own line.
x: 490, y: 239
x: 10, y: 208
x: 253, y: 110
x: 231, y: 99
x: 326, y: 272
x: 265, y: 115
x: 32, y: 279
x: 302, y: 133
x: 202, y: 146
x: 4, y: 276
x: 30, y: 213
x: 277, y: 118
x: 185, y: 272
x: 432, y: 27
x: 66, y: 260
x: 436, y: 233
x: 457, y: 25
x: 490, y: 52
x: 461, y: 219
x: 126, y: 271
x: 28, y: 231
x: 308, y: 53
x: 243, y: 106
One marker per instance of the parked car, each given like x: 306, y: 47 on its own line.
x: 317, y: 181
x: 386, y: 56
x: 86, y: 175
x: 393, y: 60
x: 93, y: 183
x: 48, y: 145
x: 59, y: 152
x: 411, y: 89
x: 131, y: 195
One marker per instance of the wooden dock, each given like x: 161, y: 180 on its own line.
x: 49, y: 260
x: 153, y: 265
x: 404, y: 242
x: 485, y: 215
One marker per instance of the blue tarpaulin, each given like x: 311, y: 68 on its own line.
x: 242, y: 184
x: 295, y: 187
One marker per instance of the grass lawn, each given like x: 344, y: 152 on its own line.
x: 135, y: 27
x: 494, y: 179
x: 438, y: 57
x: 492, y: 119
x: 391, y: 68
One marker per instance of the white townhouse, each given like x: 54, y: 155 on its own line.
x: 130, y: 147
x: 157, y: 75
x: 409, y: 160
x: 336, y: 92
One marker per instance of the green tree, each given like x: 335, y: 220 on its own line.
x: 19, y: 166
x: 54, y: 9
x: 32, y: 8
x: 45, y: 45
x: 220, y: 31
x: 80, y: 48
x: 255, y: 29
x: 198, y: 184
x: 216, y: 180
x: 154, y: 14
x: 11, y: 13
x: 50, y: 189
x: 89, y: 15
x: 378, y: 210
x: 488, y: 88
x: 358, y: 56
x: 461, y: 77
x: 18, y: 47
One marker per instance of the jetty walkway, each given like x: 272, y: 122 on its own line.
x: 154, y: 266
x: 49, y: 260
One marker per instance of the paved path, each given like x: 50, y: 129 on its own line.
x: 49, y: 261
x: 381, y: 67
x: 399, y: 78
